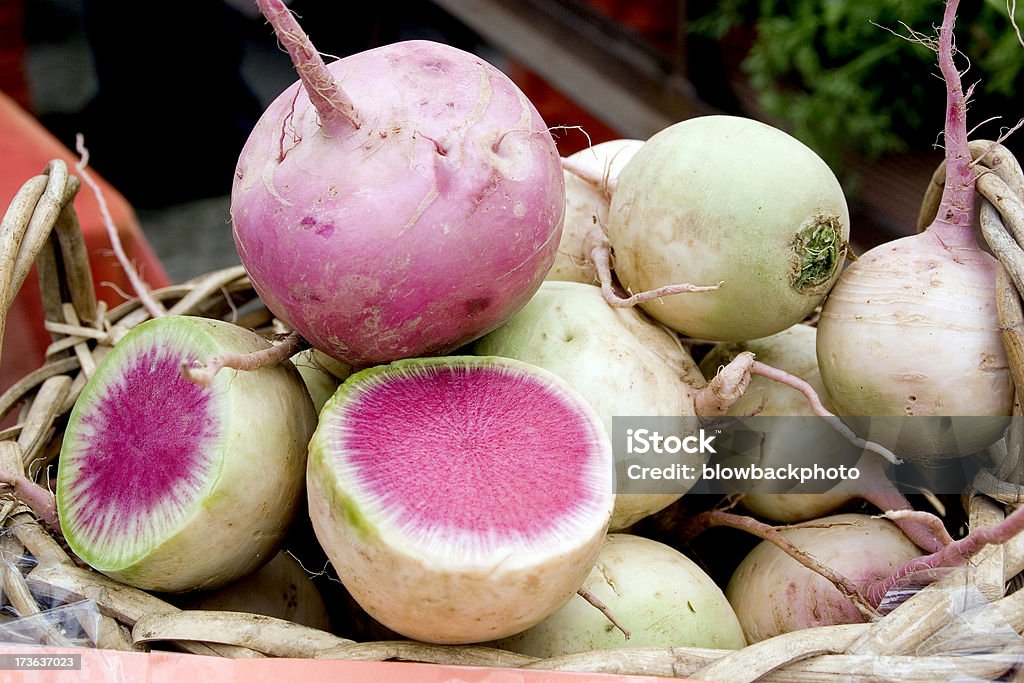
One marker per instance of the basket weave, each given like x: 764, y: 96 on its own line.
x: 947, y: 630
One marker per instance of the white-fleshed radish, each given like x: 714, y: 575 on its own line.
x: 460, y: 499
x: 911, y: 328
x: 167, y: 485
x: 398, y: 202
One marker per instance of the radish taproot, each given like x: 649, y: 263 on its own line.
x: 460, y: 499
x: 590, y: 178
x: 732, y: 201
x: 621, y: 361
x: 658, y: 594
x: 397, y: 202
x: 911, y: 328
x: 167, y: 485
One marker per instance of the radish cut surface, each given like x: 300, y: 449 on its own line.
x: 155, y: 484
x: 460, y: 499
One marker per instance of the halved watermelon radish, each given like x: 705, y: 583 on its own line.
x: 460, y: 499
x: 167, y: 485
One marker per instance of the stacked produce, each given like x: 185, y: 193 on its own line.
x: 459, y: 318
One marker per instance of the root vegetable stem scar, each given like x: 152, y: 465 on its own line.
x: 726, y: 387
x: 203, y: 373
x: 603, y: 608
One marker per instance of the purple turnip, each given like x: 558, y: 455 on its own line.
x: 461, y: 498
x: 398, y: 202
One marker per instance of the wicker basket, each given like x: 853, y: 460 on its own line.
x: 966, y: 626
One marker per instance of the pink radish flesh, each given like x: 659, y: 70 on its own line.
x: 164, y: 425
x: 167, y: 485
x: 494, y: 475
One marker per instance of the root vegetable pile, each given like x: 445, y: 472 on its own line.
x: 460, y: 317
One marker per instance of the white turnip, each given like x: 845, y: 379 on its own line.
x: 805, y: 440
x: 590, y: 178
x: 661, y: 596
x: 398, y: 202
x: 911, y: 328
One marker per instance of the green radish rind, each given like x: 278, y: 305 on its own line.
x: 429, y: 589
x: 247, y: 495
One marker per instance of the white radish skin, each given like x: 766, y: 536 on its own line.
x: 590, y: 176
x: 938, y: 296
x: 658, y: 594
x: 773, y: 594
x: 620, y: 360
x: 724, y: 199
x: 320, y: 373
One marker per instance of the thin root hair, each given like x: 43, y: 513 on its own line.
x: 1011, y: 10
x: 552, y: 129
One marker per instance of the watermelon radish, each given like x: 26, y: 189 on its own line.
x: 166, y: 485
x: 460, y: 499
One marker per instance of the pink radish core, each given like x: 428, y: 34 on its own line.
x: 145, y: 451
x: 488, y: 450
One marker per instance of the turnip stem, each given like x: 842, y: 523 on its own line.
x: 337, y: 112
x: 923, y: 528
x: 814, y: 401
x: 725, y: 388
x: 954, y: 554
x: 601, y: 255
x: 953, y: 222
x: 203, y: 374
